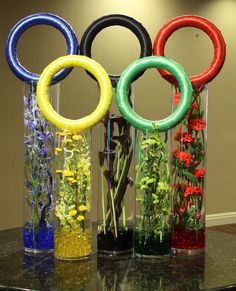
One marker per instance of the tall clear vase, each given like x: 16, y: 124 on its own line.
x: 189, y: 145
x: 153, y: 200
x: 39, y: 141
x: 115, y: 187
x: 73, y: 231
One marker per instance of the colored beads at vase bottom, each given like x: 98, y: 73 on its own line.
x: 73, y: 244
x: 183, y: 239
x: 38, y: 239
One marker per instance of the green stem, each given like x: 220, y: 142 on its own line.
x: 103, y: 201
x: 113, y: 210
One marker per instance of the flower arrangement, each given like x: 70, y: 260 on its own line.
x: 152, y: 232
x: 72, y: 207
x: 188, y: 166
x: 39, y: 185
x: 114, y: 232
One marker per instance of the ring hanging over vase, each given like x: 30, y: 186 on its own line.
x: 113, y: 20
x: 116, y: 139
x: 210, y: 29
x: 152, y: 181
x: 189, y: 142
x: 73, y: 234
x: 24, y: 24
x: 39, y: 137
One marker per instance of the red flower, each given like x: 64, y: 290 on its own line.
x: 176, y: 152
x: 198, y: 191
x: 197, y: 124
x: 186, y: 157
x: 194, y: 105
x: 189, y: 190
x: 183, y: 137
x: 199, y: 173
x: 177, y: 98
x: 186, y: 138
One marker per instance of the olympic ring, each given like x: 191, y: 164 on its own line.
x: 68, y: 62
x: 210, y: 29
x: 23, y: 25
x: 121, y: 20
x: 127, y: 77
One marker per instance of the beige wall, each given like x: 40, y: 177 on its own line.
x: 115, y: 48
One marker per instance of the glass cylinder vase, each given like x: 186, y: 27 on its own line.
x: 73, y: 231
x: 39, y: 141
x: 153, y: 209
x: 116, y: 192
x: 189, y: 144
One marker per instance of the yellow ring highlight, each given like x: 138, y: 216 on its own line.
x: 105, y: 92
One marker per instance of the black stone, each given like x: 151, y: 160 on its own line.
x: 153, y: 246
x: 108, y: 243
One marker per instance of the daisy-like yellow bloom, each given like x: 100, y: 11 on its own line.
x: 80, y: 217
x: 77, y: 137
x: 68, y: 132
x: 83, y: 208
x: 72, y: 180
x: 67, y: 140
x: 59, y: 171
x: 72, y: 212
x: 58, y: 151
x: 68, y: 173
x: 60, y: 133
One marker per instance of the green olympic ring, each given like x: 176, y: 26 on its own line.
x: 128, y: 76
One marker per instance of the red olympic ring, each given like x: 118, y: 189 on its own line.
x: 210, y: 29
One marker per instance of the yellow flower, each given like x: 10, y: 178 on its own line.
x: 72, y: 180
x: 67, y: 140
x: 58, y: 171
x: 72, y: 212
x: 77, y: 137
x: 80, y: 217
x: 68, y: 132
x: 68, y: 173
x: 58, y: 151
x: 60, y: 133
x: 83, y: 208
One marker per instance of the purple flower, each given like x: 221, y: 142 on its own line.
x: 32, y: 125
x: 45, y: 136
x: 28, y: 184
x: 25, y: 100
x: 27, y: 143
x: 43, y: 151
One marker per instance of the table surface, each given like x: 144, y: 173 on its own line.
x: 216, y: 270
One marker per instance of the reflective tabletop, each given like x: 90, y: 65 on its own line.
x: 215, y: 270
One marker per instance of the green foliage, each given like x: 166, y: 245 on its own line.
x: 153, y: 186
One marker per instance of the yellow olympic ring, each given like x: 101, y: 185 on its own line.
x: 105, y: 92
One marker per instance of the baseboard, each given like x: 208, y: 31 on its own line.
x: 220, y: 218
